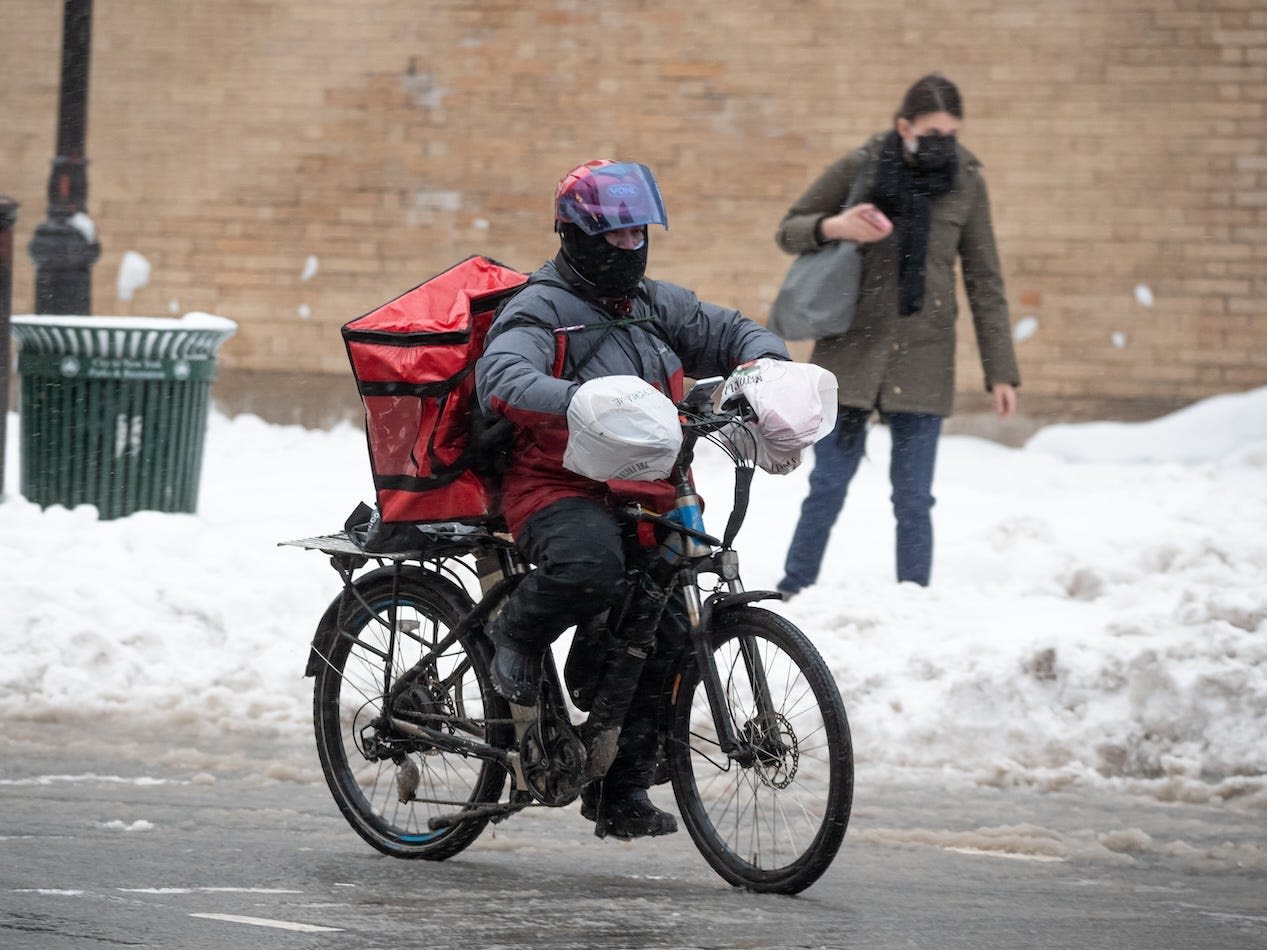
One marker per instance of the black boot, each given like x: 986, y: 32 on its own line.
x: 624, y: 813
x: 516, y: 667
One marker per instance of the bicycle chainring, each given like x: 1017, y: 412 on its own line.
x: 553, y: 762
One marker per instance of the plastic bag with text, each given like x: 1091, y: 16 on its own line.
x: 795, y: 405
x: 622, y: 428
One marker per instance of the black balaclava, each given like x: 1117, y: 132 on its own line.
x: 612, y: 271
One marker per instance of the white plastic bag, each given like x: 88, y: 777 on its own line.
x: 795, y: 405
x: 621, y: 427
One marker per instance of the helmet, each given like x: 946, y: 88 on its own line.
x: 602, y: 195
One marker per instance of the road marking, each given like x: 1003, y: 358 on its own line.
x: 993, y: 853
x: 90, y: 777
x: 210, y: 890
x: 265, y: 922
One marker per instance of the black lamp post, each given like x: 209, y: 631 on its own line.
x: 64, y: 248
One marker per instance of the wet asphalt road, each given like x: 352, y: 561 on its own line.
x: 113, y: 839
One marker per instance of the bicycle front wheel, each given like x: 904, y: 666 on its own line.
x: 387, y: 782
x: 770, y: 816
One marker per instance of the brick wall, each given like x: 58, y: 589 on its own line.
x: 1124, y: 141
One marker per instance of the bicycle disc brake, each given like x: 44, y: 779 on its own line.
x: 776, y: 748
x: 553, y: 762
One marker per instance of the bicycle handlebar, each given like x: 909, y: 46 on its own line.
x: 700, y: 419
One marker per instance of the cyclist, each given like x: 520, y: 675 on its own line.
x: 590, y: 313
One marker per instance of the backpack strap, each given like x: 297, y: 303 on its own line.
x: 606, y: 327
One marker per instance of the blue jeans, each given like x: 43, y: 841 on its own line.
x: 836, y: 459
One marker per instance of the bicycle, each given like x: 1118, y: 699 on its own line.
x: 416, y: 746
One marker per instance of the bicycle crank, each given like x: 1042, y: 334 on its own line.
x: 553, y: 761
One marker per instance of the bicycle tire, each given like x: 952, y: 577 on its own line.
x: 348, y: 695
x: 775, y: 825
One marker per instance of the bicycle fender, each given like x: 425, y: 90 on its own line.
x: 328, y: 628
x: 724, y: 601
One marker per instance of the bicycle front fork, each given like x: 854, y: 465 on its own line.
x: 700, y: 615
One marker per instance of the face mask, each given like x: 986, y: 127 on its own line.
x: 613, y: 271
x: 934, y: 151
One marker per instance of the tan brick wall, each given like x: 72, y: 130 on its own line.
x: 1125, y: 144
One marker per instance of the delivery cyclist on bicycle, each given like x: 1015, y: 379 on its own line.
x: 590, y: 313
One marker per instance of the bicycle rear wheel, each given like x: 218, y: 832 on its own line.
x: 368, y: 764
x: 772, y: 820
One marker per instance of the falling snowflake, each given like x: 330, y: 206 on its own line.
x: 134, y: 273
x: 84, y: 225
x: 1026, y: 327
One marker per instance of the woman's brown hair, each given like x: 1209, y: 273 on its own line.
x: 932, y: 93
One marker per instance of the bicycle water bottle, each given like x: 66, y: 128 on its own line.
x: 686, y: 512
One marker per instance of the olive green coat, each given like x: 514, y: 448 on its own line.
x: 907, y: 364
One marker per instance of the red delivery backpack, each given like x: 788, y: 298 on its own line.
x: 414, y: 363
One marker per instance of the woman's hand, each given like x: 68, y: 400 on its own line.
x: 863, y: 223
x: 1004, y: 399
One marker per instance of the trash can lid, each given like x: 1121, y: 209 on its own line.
x: 194, y: 320
x: 193, y: 336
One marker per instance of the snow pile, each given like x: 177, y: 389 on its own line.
x: 1098, y: 611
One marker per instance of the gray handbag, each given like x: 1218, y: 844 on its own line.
x: 820, y: 293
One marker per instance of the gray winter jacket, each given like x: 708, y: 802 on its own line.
x: 529, y: 370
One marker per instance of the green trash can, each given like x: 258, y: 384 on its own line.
x: 113, y: 410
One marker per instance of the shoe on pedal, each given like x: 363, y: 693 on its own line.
x: 624, y: 813
x: 515, y: 670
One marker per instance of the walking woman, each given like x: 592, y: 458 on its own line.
x: 898, y: 357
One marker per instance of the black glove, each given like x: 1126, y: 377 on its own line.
x: 492, y: 440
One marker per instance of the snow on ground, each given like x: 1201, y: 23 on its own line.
x: 1098, y: 612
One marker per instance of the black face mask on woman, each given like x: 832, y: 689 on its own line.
x: 935, y: 151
